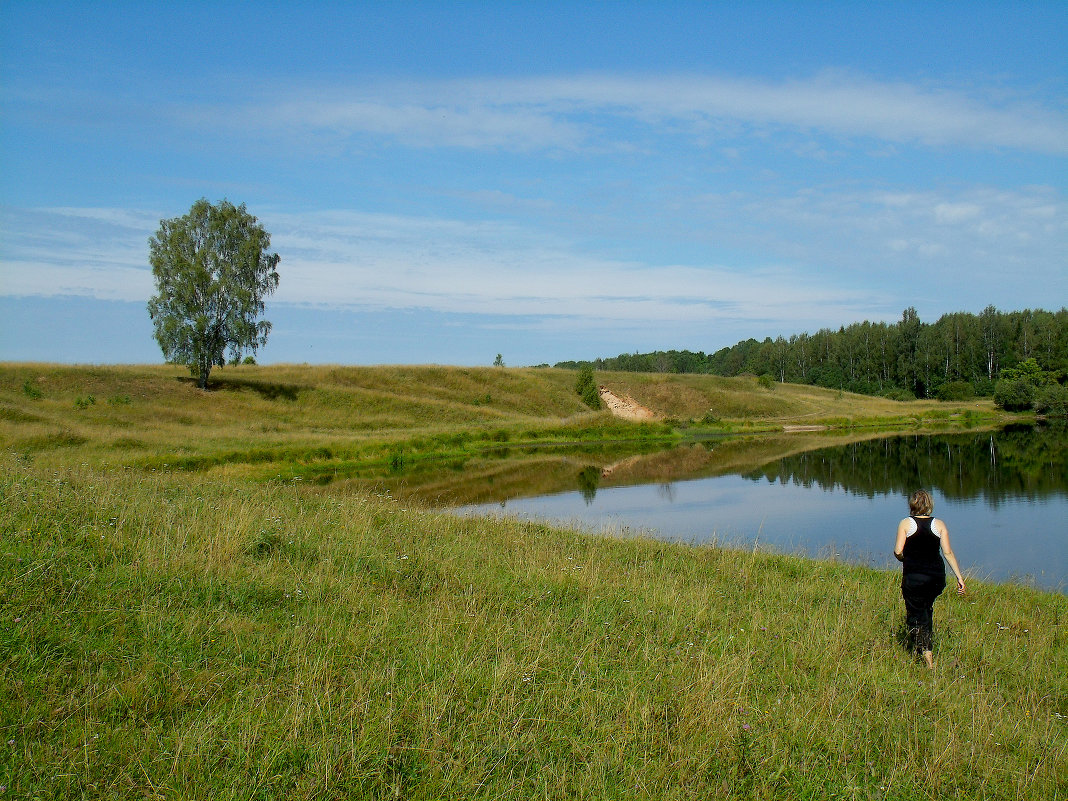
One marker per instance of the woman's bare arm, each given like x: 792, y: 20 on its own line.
x: 947, y: 552
x: 902, y: 534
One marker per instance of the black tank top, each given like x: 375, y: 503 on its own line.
x: 923, y: 550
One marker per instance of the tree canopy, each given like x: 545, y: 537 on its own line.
x: 212, y: 268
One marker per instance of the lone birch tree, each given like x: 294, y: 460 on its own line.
x: 212, y: 269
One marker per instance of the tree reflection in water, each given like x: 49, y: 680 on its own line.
x: 1016, y: 462
x: 1004, y: 495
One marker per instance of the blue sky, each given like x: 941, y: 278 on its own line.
x: 449, y: 181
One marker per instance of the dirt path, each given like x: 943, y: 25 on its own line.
x: 625, y: 407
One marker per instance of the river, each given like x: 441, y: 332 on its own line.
x: 1003, y: 495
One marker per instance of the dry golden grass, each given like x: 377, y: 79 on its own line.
x: 120, y: 412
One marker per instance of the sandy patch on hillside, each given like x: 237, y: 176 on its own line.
x: 792, y: 429
x: 625, y: 407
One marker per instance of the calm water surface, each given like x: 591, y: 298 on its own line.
x: 1003, y: 495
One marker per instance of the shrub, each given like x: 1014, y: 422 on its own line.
x: 1052, y: 401
x: 899, y: 394
x: 1028, y: 370
x: 1014, y: 396
x: 592, y: 397
x: 955, y: 391
x: 587, y: 389
x: 766, y: 381
x: 31, y: 390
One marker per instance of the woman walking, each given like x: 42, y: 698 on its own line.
x: 922, y: 542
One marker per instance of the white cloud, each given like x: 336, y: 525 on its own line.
x: 580, y: 111
x: 953, y: 213
x: 823, y: 257
x: 431, y: 124
x: 375, y: 261
x: 116, y: 282
x: 980, y: 232
x: 89, y: 252
x: 380, y: 261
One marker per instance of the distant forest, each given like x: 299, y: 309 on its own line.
x: 960, y: 354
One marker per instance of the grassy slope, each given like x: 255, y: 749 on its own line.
x: 298, y: 413
x: 199, y: 636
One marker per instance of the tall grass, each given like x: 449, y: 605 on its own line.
x: 170, y: 634
x: 167, y: 636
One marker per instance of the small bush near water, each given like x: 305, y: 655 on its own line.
x: 1014, y: 396
x: 1052, y: 402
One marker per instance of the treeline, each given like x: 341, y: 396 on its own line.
x: 959, y: 355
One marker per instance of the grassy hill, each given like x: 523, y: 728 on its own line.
x: 286, y: 415
x: 210, y: 633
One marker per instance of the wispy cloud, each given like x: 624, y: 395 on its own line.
x: 981, y: 232
x: 456, y: 124
x: 376, y: 262
x: 381, y: 261
x: 582, y: 111
x: 88, y: 252
x: 827, y: 258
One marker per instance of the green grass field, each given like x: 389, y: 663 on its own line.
x: 208, y: 631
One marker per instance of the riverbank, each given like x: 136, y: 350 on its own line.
x: 171, y: 636
x: 318, y: 423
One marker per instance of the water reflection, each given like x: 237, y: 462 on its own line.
x: 1004, y: 495
x: 1010, y: 464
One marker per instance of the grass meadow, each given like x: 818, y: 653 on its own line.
x: 216, y: 630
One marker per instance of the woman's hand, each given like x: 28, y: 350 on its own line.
x: 960, y: 586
